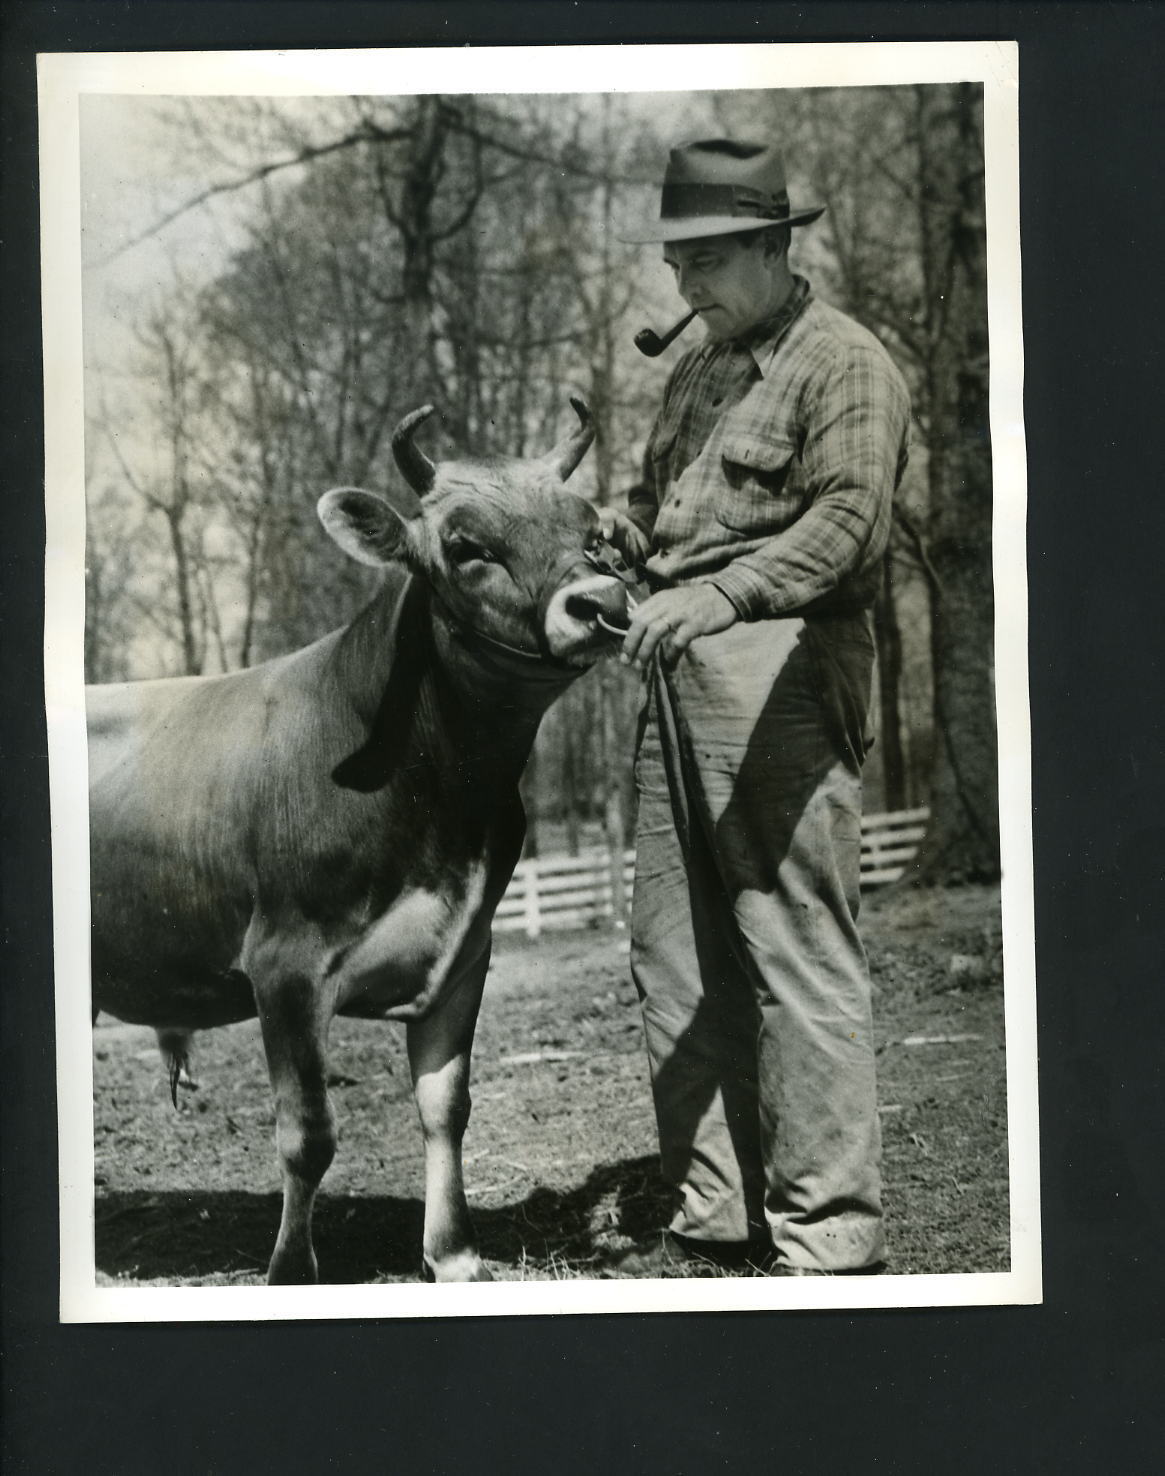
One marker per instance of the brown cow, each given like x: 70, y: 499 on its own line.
x: 330, y: 833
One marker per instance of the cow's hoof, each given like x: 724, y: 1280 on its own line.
x: 293, y: 1271
x: 464, y: 1266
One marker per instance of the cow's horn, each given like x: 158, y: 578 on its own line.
x: 419, y: 471
x: 570, y: 451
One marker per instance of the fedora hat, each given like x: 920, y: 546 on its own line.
x: 718, y: 186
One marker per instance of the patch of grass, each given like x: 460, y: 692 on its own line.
x: 562, y: 1168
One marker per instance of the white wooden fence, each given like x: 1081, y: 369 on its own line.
x: 578, y: 891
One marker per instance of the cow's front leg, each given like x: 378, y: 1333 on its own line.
x: 294, y: 1020
x: 439, y: 1048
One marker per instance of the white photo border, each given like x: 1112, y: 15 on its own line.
x: 63, y: 79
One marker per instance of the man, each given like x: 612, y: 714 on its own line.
x: 760, y: 524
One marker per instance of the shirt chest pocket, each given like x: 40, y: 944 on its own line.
x: 761, y: 483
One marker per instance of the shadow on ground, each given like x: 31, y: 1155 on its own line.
x: 175, y: 1237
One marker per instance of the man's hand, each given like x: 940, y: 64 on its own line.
x: 624, y: 535
x: 672, y: 619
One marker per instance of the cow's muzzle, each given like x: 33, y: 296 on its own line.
x: 585, y: 614
x: 602, y: 605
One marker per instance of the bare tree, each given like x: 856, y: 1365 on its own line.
x: 109, y: 616
x: 389, y: 252
x: 963, y: 841
x: 160, y: 467
x: 888, y: 633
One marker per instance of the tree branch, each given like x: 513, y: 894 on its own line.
x: 534, y: 156
x: 368, y: 133
x: 462, y: 218
x: 918, y: 543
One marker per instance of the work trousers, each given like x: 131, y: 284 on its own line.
x: 745, y: 950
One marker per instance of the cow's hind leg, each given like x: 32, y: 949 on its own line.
x: 295, y: 1021
x: 439, y: 1048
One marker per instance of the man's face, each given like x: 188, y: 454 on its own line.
x: 731, y: 285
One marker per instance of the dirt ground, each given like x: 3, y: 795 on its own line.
x: 561, y: 1163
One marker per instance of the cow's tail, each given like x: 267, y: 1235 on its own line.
x: 175, y: 1048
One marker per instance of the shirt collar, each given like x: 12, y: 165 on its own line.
x: 763, y: 340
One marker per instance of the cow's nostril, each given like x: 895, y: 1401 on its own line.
x: 582, y: 606
x: 601, y: 605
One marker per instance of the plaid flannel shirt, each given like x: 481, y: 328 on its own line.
x: 772, y: 465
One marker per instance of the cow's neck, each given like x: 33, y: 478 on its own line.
x: 429, y: 699
x: 522, y: 683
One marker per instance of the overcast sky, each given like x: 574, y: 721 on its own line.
x: 128, y: 184
x: 132, y: 176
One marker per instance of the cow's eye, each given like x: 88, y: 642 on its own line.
x: 465, y: 551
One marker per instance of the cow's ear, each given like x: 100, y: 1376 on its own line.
x: 366, y: 525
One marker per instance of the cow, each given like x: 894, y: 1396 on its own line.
x: 331, y: 832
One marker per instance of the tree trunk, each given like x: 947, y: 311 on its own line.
x: 963, y: 839
x: 889, y: 639
x: 422, y: 174
x: 570, y: 794
x: 191, y: 657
